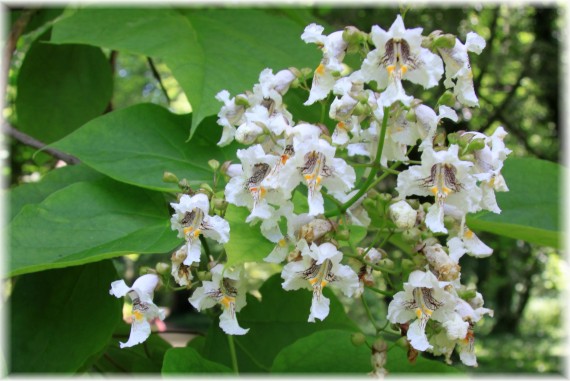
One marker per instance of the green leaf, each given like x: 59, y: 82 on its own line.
x: 531, y: 208
x: 87, y: 222
x: 188, y: 360
x: 136, y: 145
x: 246, y: 243
x: 327, y: 351
x: 275, y: 322
x: 34, y: 193
x: 60, y: 318
x: 60, y: 88
x: 144, y: 358
x: 397, y: 362
x: 208, y: 50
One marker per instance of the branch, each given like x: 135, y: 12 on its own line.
x: 32, y: 142
x: 15, y: 33
x: 156, y: 75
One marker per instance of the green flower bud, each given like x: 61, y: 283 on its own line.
x: 467, y: 294
x: 411, y: 235
x: 476, y: 145
x: 241, y: 100
x: 411, y: 116
x: 169, y: 177
x: 204, y: 275
x: 361, y: 109
x: 296, y: 72
x: 402, y: 342
x: 185, y: 186
x: 408, y: 265
x: 214, y: 164
x: 162, y: 268
x: 358, y: 339
x: 384, y: 198
x: 387, y: 263
x: 220, y: 204
x: 444, y: 41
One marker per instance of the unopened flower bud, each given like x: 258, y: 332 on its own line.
x: 247, y: 133
x: 283, y: 79
x: 373, y: 256
x: 214, y: 164
x: 358, y: 339
x: 162, y: 268
x: 207, y: 188
x: 241, y: 100
x: 204, y: 275
x: 386, y: 263
x: 306, y: 72
x: 476, y: 145
x: 169, y: 177
x: 444, y: 41
x: 403, y: 215
x: 467, y: 294
x: 411, y: 116
x: 402, y: 342
x: 184, y: 185
x: 220, y: 204
x: 412, y: 235
x: 296, y: 72
x: 408, y: 265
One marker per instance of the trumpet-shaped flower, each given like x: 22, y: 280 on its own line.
x: 320, y: 266
x: 443, y: 175
x: 314, y: 164
x: 181, y: 272
x: 191, y: 218
x: 223, y: 289
x: 423, y: 298
x: 457, y: 68
x: 399, y: 55
x: 333, y: 47
x: 249, y: 189
x: 144, y: 310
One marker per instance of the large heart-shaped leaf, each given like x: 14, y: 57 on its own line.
x: 65, y: 85
x: 60, y: 318
x: 136, y: 145
x: 208, y: 50
x: 531, y: 209
x: 34, y: 193
x: 87, y: 222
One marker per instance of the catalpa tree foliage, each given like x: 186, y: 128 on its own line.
x: 311, y: 177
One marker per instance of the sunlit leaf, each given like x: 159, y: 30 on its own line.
x: 87, y: 222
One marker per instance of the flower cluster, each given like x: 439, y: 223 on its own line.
x: 298, y: 181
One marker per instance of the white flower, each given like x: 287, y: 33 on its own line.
x: 459, y: 332
x: 294, y: 224
x: 403, y: 215
x: 334, y: 48
x: 144, y: 310
x: 249, y: 189
x: 315, y: 164
x: 488, y: 165
x: 423, y: 299
x: 356, y: 213
x: 230, y: 115
x: 457, y: 68
x: 467, y: 242
x: 319, y: 267
x: 441, y: 263
x: 444, y: 176
x: 399, y: 55
x: 191, y: 218
x: 181, y: 272
x: 223, y: 289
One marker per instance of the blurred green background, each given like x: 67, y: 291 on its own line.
x: 518, y: 80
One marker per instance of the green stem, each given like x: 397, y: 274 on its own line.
x: 369, y: 313
x: 378, y: 291
x: 233, y: 354
x: 370, y: 180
